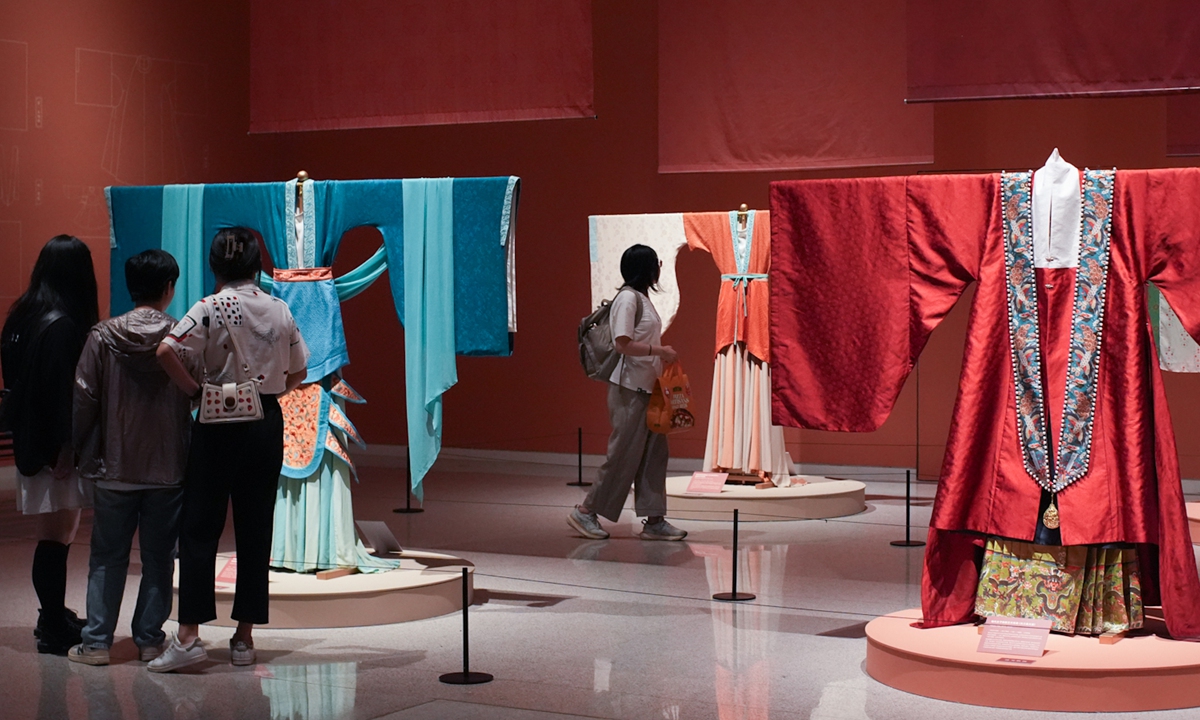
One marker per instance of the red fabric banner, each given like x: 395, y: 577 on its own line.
x: 321, y: 64
x: 785, y: 84
x: 1033, y: 48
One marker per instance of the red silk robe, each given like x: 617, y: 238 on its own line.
x: 863, y: 270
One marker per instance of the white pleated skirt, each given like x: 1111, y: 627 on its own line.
x: 741, y: 438
x: 43, y: 493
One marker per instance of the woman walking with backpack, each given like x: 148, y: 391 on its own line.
x: 636, y: 456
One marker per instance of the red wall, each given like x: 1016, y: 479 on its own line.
x: 183, y: 119
x: 570, y: 169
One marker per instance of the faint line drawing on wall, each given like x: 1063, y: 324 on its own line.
x: 91, y: 213
x: 14, y: 85
x: 152, y: 105
x: 10, y: 175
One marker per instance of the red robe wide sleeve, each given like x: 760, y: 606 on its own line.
x: 1163, y: 214
x: 862, y: 271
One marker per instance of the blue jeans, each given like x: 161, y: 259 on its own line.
x: 154, y: 514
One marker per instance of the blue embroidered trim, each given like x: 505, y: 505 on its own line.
x: 112, y: 227
x: 289, y: 224
x: 1087, y: 323
x: 1016, y: 195
x: 310, y: 224
x: 741, y: 256
x: 1087, y: 329
x: 506, y: 211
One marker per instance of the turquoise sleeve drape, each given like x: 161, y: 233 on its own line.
x: 428, y: 292
x: 183, y: 237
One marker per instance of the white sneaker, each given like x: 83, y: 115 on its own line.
x: 178, y: 656
x: 88, y: 655
x: 241, y: 653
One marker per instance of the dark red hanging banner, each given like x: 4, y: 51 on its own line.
x: 1050, y: 48
x: 785, y: 84
x: 322, y: 64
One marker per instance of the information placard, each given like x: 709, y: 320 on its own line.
x: 227, y: 575
x: 707, y: 482
x: 1014, y: 636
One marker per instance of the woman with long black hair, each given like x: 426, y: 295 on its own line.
x: 39, y: 347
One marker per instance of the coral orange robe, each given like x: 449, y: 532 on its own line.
x: 741, y: 437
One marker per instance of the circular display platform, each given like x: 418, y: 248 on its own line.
x: 1144, y: 671
x: 425, y: 585
x: 1193, y: 513
x: 819, y: 497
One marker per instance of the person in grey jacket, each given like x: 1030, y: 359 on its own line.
x: 131, y: 429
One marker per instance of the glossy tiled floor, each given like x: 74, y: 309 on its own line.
x: 570, y: 628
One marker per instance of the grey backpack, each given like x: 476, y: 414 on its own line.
x: 597, y: 351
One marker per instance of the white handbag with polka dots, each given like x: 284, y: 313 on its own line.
x: 231, y: 402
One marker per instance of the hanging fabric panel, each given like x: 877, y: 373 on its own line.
x: 325, y: 65
x: 775, y: 85
x: 1031, y: 48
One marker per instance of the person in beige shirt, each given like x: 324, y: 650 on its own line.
x: 636, y: 456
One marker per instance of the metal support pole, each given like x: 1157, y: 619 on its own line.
x: 580, y: 482
x: 734, y: 596
x: 908, y: 541
x: 466, y: 677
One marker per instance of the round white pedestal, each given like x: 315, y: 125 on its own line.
x: 818, y: 498
x: 425, y: 585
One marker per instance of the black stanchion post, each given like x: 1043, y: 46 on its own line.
x: 734, y: 596
x: 908, y: 541
x: 580, y: 482
x: 466, y: 677
x: 408, y: 508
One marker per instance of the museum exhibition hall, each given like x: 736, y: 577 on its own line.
x: 650, y: 360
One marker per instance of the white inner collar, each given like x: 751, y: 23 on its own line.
x: 1057, y: 214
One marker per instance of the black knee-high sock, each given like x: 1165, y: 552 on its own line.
x: 50, y: 576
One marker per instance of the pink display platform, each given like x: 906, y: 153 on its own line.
x: 1146, y: 671
x: 425, y: 585
x: 1193, y: 513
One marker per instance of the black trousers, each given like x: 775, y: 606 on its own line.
x: 236, y: 462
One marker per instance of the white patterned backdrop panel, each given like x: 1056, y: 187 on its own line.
x: 1177, y: 351
x: 610, y: 235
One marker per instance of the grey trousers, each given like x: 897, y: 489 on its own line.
x: 635, y: 456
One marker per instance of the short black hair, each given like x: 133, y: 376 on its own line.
x: 640, y: 268
x: 234, y: 255
x: 148, y: 275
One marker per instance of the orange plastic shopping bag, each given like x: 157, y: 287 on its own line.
x: 670, y: 403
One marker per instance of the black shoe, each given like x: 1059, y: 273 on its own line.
x: 69, y: 617
x: 54, y: 646
x: 55, y: 636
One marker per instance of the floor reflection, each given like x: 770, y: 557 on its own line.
x: 310, y: 692
x: 744, y: 632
